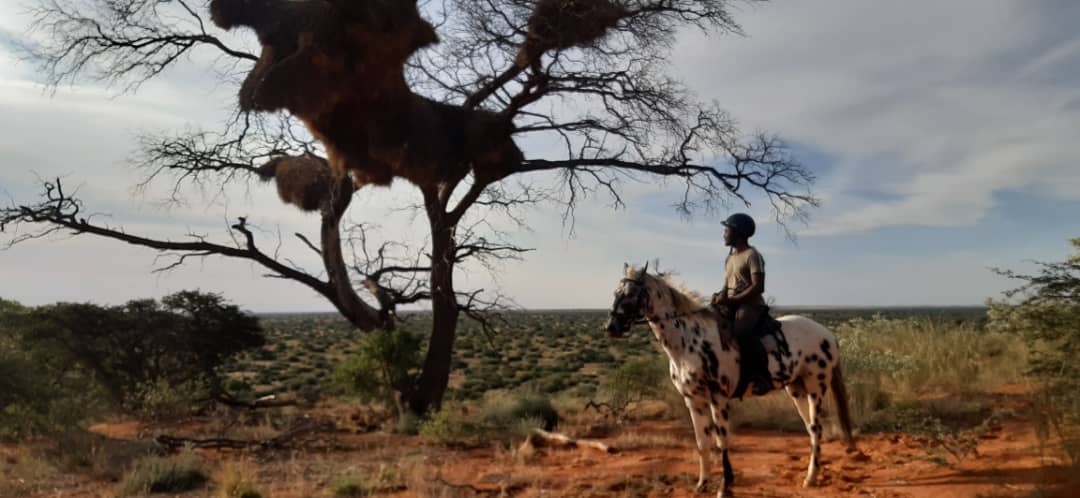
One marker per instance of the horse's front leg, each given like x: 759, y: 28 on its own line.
x: 721, y: 419
x: 699, y: 414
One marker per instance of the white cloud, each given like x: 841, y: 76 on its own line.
x: 911, y: 98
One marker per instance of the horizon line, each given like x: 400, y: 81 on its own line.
x: 792, y: 307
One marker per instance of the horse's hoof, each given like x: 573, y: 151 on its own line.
x: 808, y: 483
x: 724, y: 493
x: 700, y: 487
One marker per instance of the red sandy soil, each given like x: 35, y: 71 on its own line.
x: 774, y: 464
x: 1011, y: 462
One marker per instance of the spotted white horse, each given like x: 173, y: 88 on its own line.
x: 804, y: 359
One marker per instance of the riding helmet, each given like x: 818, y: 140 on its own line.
x: 741, y: 224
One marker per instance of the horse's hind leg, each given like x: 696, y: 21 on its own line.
x: 721, y: 419
x: 807, y: 407
x: 699, y: 414
x: 814, y: 401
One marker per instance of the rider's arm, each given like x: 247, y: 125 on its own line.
x: 719, y: 298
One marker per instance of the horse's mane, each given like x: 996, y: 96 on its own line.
x: 686, y: 300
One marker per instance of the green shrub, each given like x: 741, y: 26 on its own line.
x: 382, y: 361
x: 237, y: 386
x: 505, y: 412
x: 496, y: 418
x: 1045, y: 317
x: 449, y: 427
x: 350, y: 488
x: 161, y: 400
x: 164, y: 475
x: 629, y: 383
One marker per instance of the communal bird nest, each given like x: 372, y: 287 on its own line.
x: 303, y: 181
x: 562, y: 24
x: 338, y: 65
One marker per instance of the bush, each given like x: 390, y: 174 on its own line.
x: 164, y: 475
x: 631, y: 382
x: 38, y: 396
x: 449, y: 427
x: 1045, y: 318
x: 119, y: 354
x: 236, y: 479
x: 383, y: 360
x: 886, y: 361
x: 161, y: 400
x: 237, y: 387
x: 505, y: 412
x: 350, y: 488
x: 498, y: 417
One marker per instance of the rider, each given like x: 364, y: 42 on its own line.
x: 742, y: 300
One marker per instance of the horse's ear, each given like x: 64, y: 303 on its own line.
x: 645, y: 269
x: 626, y: 269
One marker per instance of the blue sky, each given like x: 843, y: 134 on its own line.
x: 944, y: 135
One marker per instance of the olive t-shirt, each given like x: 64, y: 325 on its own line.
x: 740, y: 266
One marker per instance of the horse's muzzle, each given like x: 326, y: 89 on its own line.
x: 614, y: 328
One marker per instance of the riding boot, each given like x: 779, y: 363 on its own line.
x: 751, y: 368
x: 757, y: 366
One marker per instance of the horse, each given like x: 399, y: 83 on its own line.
x: 804, y: 359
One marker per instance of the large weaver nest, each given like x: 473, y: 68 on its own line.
x: 562, y: 24
x: 303, y: 181
x: 338, y: 65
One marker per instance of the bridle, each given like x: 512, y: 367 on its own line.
x: 643, y: 320
x: 636, y: 282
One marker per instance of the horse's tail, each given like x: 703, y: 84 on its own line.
x: 841, y: 398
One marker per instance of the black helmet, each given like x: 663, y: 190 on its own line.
x: 741, y: 224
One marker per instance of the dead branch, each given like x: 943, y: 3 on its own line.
x: 255, y: 405
x: 281, y: 441
x: 540, y: 437
x: 127, y: 41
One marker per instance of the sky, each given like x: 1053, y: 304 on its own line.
x: 944, y: 136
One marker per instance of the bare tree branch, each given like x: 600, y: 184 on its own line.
x: 118, y: 41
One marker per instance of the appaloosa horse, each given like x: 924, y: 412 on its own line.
x: 804, y: 358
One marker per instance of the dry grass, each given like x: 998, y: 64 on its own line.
x: 22, y: 471
x: 773, y: 412
x: 634, y: 440
x: 237, y: 479
x: 175, y: 474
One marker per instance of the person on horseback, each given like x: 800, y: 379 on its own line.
x: 742, y: 301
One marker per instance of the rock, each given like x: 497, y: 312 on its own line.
x: 859, y: 457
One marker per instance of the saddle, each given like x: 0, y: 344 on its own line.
x: 764, y: 325
x: 753, y: 337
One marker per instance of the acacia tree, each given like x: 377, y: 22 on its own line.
x: 1044, y: 310
x: 438, y: 94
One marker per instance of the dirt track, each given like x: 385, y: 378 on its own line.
x: 769, y: 464
x: 655, y: 459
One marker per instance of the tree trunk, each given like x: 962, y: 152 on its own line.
x: 435, y: 376
x: 341, y: 293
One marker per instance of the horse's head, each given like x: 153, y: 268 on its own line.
x: 631, y: 300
